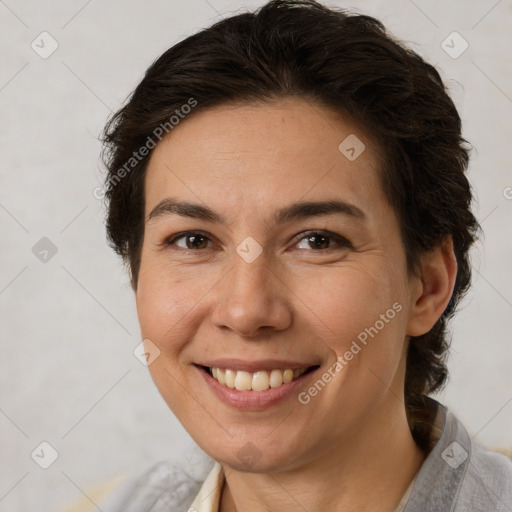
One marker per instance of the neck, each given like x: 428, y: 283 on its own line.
x: 370, y: 470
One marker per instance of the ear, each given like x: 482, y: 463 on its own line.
x: 432, y: 291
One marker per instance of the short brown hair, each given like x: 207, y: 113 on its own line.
x: 348, y: 62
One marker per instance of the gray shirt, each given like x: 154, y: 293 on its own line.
x: 457, y: 476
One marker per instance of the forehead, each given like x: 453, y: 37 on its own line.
x: 263, y: 155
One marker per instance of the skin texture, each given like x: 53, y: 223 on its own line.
x: 294, y: 301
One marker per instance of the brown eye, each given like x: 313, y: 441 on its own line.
x: 196, y: 241
x: 191, y: 240
x: 320, y: 241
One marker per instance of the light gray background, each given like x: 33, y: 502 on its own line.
x: 68, y: 375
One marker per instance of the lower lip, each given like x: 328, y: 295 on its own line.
x: 254, y: 400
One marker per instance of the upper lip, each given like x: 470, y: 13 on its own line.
x: 253, y: 366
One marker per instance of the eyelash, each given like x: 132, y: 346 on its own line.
x: 341, y: 241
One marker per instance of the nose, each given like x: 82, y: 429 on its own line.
x: 252, y: 300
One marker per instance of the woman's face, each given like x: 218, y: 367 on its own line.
x: 269, y: 245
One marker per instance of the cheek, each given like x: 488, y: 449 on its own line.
x: 362, y: 323
x: 165, y: 301
x: 167, y: 305
x: 345, y: 302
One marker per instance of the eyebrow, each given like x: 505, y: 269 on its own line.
x: 297, y: 211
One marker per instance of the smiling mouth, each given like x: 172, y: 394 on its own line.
x: 256, y: 381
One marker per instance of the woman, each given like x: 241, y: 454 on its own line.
x: 288, y: 190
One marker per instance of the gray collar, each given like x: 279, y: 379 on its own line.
x: 446, y: 482
x: 440, y: 478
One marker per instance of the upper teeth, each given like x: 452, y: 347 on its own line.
x: 257, y: 381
